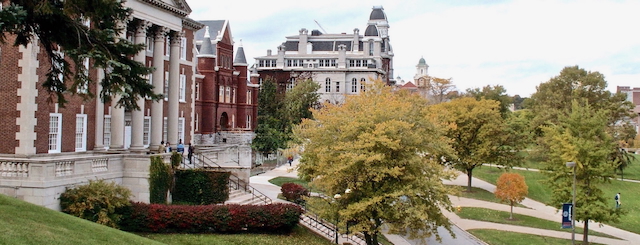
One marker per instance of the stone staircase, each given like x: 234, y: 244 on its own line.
x: 243, y: 197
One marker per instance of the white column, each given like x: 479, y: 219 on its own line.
x: 174, y: 89
x: 99, y: 134
x: 117, y: 117
x: 137, y: 116
x: 157, y: 116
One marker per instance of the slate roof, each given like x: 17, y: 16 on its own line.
x: 371, y: 30
x: 240, y: 59
x: 377, y: 14
x: 214, y: 27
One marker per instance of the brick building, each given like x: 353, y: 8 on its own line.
x: 47, y: 149
x: 226, y: 102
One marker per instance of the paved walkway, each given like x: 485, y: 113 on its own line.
x: 534, y: 208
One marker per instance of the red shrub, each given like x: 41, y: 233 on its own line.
x: 160, y: 218
x: 294, y: 192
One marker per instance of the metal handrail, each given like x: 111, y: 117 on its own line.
x: 331, y: 228
x: 234, y: 180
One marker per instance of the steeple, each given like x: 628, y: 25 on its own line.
x: 206, y: 50
x: 241, y: 59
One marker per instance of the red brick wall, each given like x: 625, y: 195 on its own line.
x: 9, y: 69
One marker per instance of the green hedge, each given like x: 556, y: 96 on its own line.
x: 199, y: 187
x: 160, y: 179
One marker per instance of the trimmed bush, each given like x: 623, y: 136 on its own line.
x: 99, y: 201
x: 156, y: 218
x: 294, y: 192
x: 199, y: 187
x: 160, y: 179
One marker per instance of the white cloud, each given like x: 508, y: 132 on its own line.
x: 517, y: 44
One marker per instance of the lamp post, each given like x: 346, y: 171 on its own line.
x: 573, y: 203
x: 335, y: 198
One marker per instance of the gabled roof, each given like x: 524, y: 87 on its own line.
x: 409, y: 85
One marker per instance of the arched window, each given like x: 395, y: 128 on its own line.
x: 370, y: 47
x: 354, y: 85
x: 327, y: 85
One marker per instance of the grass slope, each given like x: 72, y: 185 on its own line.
x: 25, y: 223
x: 540, y: 192
x: 300, y: 235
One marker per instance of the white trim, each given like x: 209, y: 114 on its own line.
x: 181, y: 129
x: 183, y: 88
x: 106, y: 134
x: 81, y: 132
x: 55, y: 132
x: 146, y: 133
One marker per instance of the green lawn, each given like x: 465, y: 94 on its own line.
x: 496, y: 237
x: 481, y: 194
x: 540, y: 192
x: 300, y: 235
x: 25, y: 223
x: 495, y: 216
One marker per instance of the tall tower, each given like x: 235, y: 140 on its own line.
x: 422, y: 70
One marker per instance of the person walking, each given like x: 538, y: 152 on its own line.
x: 190, y: 153
x: 618, y: 202
x: 180, y: 150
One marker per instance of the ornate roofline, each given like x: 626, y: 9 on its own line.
x: 192, y: 24
x: 165, y: 6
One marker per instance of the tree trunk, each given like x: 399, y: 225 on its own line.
x: 585, y: 236
x: 469, y: 176
x: 368, y: 238
x: 511, y: 215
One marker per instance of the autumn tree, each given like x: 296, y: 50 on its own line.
x: 377, y: 152
x: 496, y: 92
x: 478, y: 134
x: 437, y: 89
x: 581, y: 137
x: 60, y: 26
x: 511, y: 188
x: 299, y: 101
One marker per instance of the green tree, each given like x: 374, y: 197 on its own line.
x: 55, y: 24
x: 270, y: 132
x: 299, y: 101
x: 497, y: 93
x: 581, y: 137
x: 374, y: 151
x: 478, y: 134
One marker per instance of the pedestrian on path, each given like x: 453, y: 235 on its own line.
x: 618, y: 202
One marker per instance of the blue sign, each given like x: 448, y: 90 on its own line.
x: 567, y: 210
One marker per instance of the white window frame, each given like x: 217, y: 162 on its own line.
x: 146, y: 131
x: 227, y: 95
x: 354, y: 85
x: 59, y: 65
x: 362, y: 84
x: 164, y: 130
x: 183, y: 48
x: 55, y: 132
x: 248, y: 123
x: 197, y: 92
x: 327, y: 85
x: 149, y: 44
x: 183, y: 88
x: 221, y: 94
x: 81, y: 132
x: 149, y: 81
x: 196, y: 122
x: 106, y: 135
x: 181, y: 129
x: 337, y: 87
x: 84, y: 88
x: 249, y: 98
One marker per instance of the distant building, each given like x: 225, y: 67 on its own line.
x: 225, y: 100
x: 340, y: 63
x: 422, y: 70
x: 633, y: 95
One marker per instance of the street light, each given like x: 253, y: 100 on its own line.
x: 335, y: 198
x: 573, y: 203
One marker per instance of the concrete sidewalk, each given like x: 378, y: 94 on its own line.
x: 534, y: 208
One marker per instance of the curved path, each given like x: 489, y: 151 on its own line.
x: 534, y: 208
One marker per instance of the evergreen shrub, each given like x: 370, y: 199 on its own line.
x: 99, y: 201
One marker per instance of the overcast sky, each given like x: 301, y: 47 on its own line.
x: 516, y: 44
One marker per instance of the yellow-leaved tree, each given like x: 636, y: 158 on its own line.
x: 511, y: 188
x: 374, y: 156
